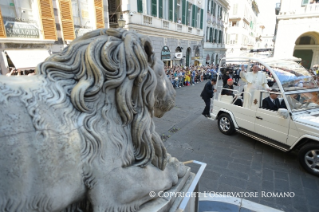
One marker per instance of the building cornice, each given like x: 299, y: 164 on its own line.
x: 26, y: 41
x: 157, y: 32
x: 297, y: 16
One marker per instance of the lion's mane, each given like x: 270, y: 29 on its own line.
x: 108, y: 60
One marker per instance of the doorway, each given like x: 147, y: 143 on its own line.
x: 306, y: 57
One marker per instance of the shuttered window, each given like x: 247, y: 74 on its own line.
x: 201, y: 18
x: 170, y: 10
x: 2, y: 30
x: 160, y: 8
x: 140, y: 6
x: 304, y: 2
x: 207, y: 4
x: 175, y: 9
x: 183, y: 12
x: 193, y: 16
x: 211, y: 35
x: 187, y: 14
x: 215, y: 38
x: 154, y: 8
x: 67, y: 19
x: 99, y: 13
x: 47, y: 19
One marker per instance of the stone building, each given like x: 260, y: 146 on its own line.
x: 297, y: 31
x: 32, y: 30
x: 215, y: 25
x: 175, y: 27
x: 242, y: 27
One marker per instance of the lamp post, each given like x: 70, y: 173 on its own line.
x: 121, y: 22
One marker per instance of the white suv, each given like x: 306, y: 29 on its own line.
x: 296, y: 127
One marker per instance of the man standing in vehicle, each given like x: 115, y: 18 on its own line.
x: 256, y: 80
x: 207, y: 94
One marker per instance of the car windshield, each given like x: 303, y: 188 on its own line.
x: 292, y: 76
x: 303, y: 101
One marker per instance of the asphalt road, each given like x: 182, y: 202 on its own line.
x: 235, y: 163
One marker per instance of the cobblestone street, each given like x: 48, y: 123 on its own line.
x: 234, y: 163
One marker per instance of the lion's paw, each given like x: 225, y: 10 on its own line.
x: 175, y: 169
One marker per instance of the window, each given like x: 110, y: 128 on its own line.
x: 304, y: 2
x: 207, y: 34
x: 67, y: 19
x: 189, y: 13
x: 165, y: 9
x: 305, y: 40
x: 234, y: 23
x: 148, y: 7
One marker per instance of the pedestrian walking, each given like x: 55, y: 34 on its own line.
x: 207, y: 94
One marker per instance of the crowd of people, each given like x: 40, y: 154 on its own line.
x: 181, y: 76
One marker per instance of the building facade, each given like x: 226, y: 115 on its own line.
x: 215, y: 25
x: 175, y: 27
x: 297, y: 31
x: 32, y: 30
x: 242, y: 28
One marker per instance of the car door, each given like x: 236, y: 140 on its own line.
x: 269, y: 124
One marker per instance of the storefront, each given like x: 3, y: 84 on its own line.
x: 166, y: 56
x: 22, y: 48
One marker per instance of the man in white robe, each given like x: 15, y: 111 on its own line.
x: 256, y: 80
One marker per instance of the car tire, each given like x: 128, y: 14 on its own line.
x: 309, y: 158
x: 225, y: 124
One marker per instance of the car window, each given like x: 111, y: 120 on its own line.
x: 303, y: 101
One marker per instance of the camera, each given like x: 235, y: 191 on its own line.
x: 131, y: 14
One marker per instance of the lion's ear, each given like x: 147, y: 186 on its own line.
x: 149, y: 51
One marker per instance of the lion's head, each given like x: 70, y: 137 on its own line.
x: 119, y: 63
x: 164, y: 92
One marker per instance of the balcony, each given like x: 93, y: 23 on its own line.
x: 198, y: 32
x: 190, y: 29
x: 179, y: 27
x: 147, y: 20
x: 165, y: 24
x: 304, y: 10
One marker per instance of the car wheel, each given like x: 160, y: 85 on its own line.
x: 309, y: 158
x: 225, y: 124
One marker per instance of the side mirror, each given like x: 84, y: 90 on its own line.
x: 283, y: 113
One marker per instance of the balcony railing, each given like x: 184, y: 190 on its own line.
x: 147, y: 20
x: 198, y: 31
x: 306, y: 9
x: 190, y: 29
x: 165, y: 24
x: 179, y: 27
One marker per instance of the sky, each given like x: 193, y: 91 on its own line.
x: 267, y: 15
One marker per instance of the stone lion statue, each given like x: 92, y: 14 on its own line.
x: 79, y: 134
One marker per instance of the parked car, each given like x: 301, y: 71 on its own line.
x: 295, y: 127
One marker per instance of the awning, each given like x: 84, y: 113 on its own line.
x: 28, y: 58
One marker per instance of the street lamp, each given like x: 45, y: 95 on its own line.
x: 121, y: 22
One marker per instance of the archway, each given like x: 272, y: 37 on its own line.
x: 217, y: 62
x: 207, y: 59
x: 306, y: 48
x: 188, y: 55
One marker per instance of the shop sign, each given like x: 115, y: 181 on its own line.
x: 166, y: 54
x: 21, y: 30
x: 179, y: 55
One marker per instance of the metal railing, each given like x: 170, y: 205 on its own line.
x: 147, y: 20
x: 165, y: 24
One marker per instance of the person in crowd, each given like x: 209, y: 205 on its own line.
x: 236, y: 75
x: 228, y: 90
x: 207, y: 94
x: 256, y: 80
x: 272, y: 101
x: 225, y: 78
x: 193, y: 75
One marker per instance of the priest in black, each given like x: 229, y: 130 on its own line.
x: 207, y: 94
x: 228, y: 90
